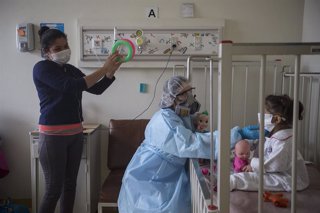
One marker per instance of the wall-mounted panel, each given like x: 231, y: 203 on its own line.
x: 151, y: 44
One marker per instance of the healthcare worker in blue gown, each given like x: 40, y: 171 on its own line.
x: 156, y: 179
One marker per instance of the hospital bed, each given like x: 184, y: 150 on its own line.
x: 287, y: 79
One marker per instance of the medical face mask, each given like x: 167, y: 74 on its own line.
x: 61, y: 57
x: 188, y: 107
x: 268, y: 125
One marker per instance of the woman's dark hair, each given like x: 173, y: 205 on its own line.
x: 48, y: 37
x: 282, y: 105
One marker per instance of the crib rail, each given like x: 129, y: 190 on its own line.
x: 224, y: 117
x: 308, y: 134
x: 200, y: 194
x: 262, y: 50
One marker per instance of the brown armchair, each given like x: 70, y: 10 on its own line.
x: 125, y: 136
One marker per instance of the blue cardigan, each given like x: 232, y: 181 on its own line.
x: 60, y: 92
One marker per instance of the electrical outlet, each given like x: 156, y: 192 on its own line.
x: 174, y: 42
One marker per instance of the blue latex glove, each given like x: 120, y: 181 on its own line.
x: 251, y: 132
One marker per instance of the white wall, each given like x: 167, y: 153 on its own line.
x: 311, y: 33
x: 245, y: 21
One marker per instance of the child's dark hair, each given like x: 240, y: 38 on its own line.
x: 48, y: 36
x: 282, y: 105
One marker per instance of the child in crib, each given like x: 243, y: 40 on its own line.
x: 241, y: 156
x: 277, y: 151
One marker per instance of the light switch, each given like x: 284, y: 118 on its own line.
x: 187, y: 10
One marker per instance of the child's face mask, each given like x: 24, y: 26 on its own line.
x: 268, y: 125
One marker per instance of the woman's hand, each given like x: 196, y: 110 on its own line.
x: 112, y: 64
x: 247, y: 168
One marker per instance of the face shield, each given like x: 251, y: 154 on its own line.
x: 187, y: 103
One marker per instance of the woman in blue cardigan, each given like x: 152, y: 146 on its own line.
x: 60, y: 86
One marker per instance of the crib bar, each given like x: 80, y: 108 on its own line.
x: 302, y: 130
x: 201, y: 198
x: 275, y: 78
x: 308, y: 114
x: 224, y: 125
x: 212, y: 148
x: 308, y: 124
x: 283, y: 81
x: 290, y: 87
x: 275, y: 48
x: 232, y: 95
x: 245, y: 97
x: 295, y: 131
x: 303, y: 74
x: 205, y: 87
x: 316, y: 146
x: 194, y: 58
x: 261, y: 130
x: 200, y: 195
x: 189, y: 68
x: 309, y: 100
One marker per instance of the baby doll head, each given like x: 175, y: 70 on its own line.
x: 201, y: 122
x: 242, y: 149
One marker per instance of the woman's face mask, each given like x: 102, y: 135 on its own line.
x: 268, y: 125
x: 188, y: 106
x: 61, y: 57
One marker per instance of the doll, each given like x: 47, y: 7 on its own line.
x: 242, y: 154
x: 201, y: 125
x: 201, y: 122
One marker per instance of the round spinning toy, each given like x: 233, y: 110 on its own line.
x: 126, y: 43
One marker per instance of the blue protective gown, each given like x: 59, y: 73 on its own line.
x: 156, y: 179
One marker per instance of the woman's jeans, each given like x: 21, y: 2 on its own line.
x: 60, y: 158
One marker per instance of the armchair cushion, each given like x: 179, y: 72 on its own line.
x: 125, y: 136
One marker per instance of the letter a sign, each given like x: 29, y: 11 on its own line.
x: 152, y: 12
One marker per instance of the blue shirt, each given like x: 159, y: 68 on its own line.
x: 60, y: 92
